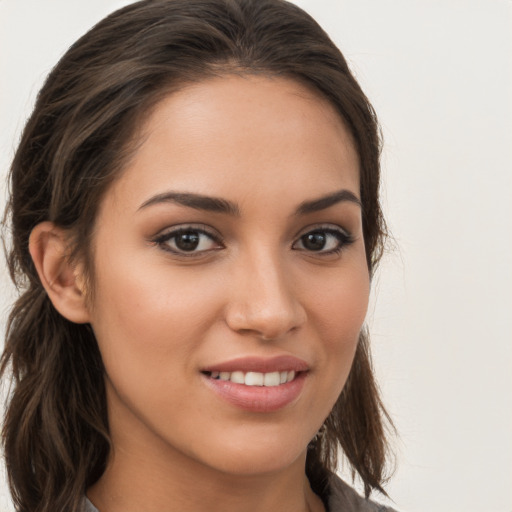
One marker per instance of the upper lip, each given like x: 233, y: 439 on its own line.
x: 260, y: 364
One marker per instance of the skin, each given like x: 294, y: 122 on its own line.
x: 267, y: 145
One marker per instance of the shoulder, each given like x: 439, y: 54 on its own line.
x: 342, y: 498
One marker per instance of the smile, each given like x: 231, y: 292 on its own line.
x: 269, y: 379
x: 256, y: 384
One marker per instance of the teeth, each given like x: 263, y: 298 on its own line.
x: 237, y: 377
x: 255, y: 378
x: 272, y: 379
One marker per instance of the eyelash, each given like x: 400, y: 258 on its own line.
x: 164, y: 239
x: 344, y: 239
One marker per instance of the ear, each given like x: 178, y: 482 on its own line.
x: 62, y: 281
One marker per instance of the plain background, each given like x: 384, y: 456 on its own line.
x: 439, y: 74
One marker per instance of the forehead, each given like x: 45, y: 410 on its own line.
x: 240, y: 135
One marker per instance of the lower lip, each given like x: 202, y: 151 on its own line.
x: 258, y: 398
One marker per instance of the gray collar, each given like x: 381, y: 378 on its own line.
x: 88, y: 506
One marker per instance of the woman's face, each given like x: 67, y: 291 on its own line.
x: 229, y: 254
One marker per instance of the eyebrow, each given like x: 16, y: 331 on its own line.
x: 196, y: 201
x: 325, y: 202
x: 219, y: 205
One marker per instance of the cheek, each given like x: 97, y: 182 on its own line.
x: 145, y: 313
x: 340, y: 311
x: 342, y: 305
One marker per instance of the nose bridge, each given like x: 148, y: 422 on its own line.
x: 264, y: 300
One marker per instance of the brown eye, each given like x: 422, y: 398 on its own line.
x: 188, y: 241
x: 323, y: 241
x: 314, y: 241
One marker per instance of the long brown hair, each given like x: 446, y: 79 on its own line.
x: 56, y: 433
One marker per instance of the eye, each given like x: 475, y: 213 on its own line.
x: 323, y: 240
x: 188, y: 241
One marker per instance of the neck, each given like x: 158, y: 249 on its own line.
x: 134, y: 484
x: 142, y: 474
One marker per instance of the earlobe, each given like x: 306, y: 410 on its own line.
x: 64, y: 286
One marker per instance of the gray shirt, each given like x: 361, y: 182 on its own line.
x: 342, y: 498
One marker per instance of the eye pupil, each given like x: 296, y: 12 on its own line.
x: 187, y: 241
x: 314, y: 241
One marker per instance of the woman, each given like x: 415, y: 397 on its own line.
x: 195, y: 222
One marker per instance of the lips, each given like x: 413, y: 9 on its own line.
x: 258, y: 384
x: 260, y: 364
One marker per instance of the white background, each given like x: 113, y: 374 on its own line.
x: 439, y: 75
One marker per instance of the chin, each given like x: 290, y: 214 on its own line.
x: 253, y: 464
x: 258, y: 455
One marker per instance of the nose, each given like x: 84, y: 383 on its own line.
x: 263, y: 301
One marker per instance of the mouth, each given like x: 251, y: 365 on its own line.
x: 258, y: 384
